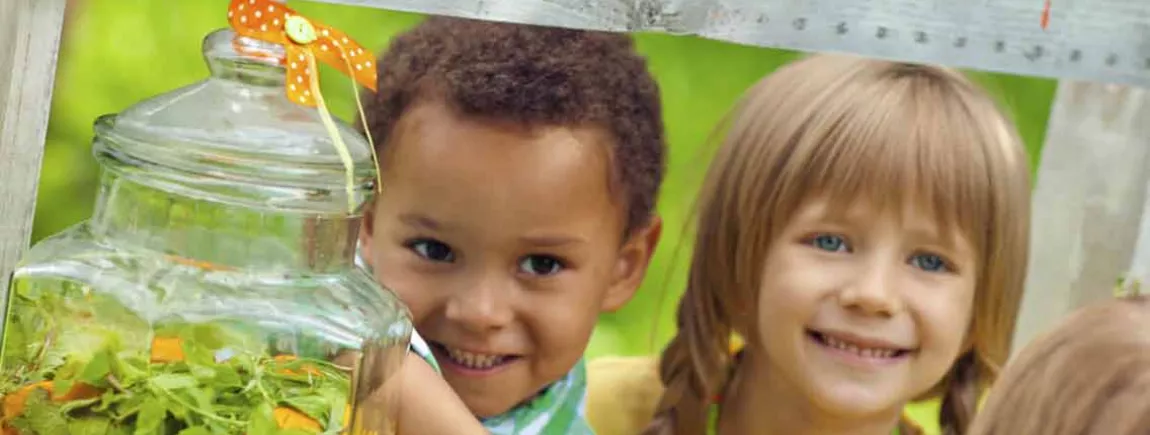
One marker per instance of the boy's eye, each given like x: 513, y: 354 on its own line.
x: 433, y: 250
x: 829, y: 242
x: 930, y: 263
x: 542, y: 265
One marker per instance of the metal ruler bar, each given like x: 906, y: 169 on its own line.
x: 1096, y: 40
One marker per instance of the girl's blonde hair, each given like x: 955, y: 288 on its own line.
x: 850, y: 128
x: 1091, y: 375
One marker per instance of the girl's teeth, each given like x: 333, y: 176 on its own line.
x: 474, y: 360
x: 865, y: 353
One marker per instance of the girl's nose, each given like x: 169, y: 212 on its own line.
x: 873, y: 291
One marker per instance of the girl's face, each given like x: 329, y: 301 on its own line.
x: 862, y: 310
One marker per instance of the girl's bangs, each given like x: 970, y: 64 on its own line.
x: 899, y: 147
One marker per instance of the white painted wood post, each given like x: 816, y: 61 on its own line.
x: 29, y: 40
x: 1090, y: 202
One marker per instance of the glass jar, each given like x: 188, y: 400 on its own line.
x: 214, y: 290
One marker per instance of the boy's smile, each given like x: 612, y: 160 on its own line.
x: 469, y: 363
x: 506, y: 244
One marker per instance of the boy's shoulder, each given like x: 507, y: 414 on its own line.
x: 622, y: 393
x: 558, y: 411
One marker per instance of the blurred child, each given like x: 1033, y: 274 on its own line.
x: 520, y: 167
x: 864, y: 228
x: 1089, y: 376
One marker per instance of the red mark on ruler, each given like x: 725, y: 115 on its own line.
x: 1046, y: 15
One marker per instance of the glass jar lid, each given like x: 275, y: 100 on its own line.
x: 236, y: 138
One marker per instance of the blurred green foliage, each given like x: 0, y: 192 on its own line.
x: 117, y: 52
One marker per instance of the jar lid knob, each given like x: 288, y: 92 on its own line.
x: 300, y: 30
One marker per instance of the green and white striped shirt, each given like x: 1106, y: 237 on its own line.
x: 558, y: 410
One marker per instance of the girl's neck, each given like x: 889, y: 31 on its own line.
x: 759, y: 401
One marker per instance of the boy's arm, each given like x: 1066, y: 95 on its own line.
x: 415, y: 400
x: 426, y: 405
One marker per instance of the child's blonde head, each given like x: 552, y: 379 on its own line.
x: 849, y: 129
x: 1090, y: 375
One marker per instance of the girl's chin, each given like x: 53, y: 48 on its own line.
x: 859, y: 403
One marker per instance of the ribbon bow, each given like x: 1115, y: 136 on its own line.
x: 305, y: 41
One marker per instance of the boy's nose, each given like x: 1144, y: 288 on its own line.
x: 481, y: 308
x: 873, y: 291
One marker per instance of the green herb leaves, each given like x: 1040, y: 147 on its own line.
x: 190, y: 380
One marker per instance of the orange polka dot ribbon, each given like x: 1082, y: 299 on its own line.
x: 305, y: 41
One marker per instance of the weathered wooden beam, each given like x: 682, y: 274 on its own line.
x: 1095, y: 40
x: 1090, y: 202
x: 29, y: 40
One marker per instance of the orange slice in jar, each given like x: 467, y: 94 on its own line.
x: 307, y: 369
x: 167, y: 350
x: 289, y: 418
x: 14, y: 402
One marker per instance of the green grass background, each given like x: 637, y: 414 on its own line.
x: 117, y: 52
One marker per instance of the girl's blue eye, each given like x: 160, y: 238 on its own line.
x: 829, y: 242
x: 542, y: 265
x: 929, y: 263
x: 433, y: 250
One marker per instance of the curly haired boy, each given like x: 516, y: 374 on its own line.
x: 520, y: 168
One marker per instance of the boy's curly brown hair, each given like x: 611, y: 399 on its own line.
x: 536, y: 76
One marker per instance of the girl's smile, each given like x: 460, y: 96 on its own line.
x: 859, y: 351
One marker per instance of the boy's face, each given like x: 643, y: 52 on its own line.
x: 505, y: 243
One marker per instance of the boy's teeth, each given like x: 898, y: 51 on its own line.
x: 863, y: 352
x: 474, y: 360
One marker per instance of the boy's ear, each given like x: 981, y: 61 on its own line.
x: 634, y: 257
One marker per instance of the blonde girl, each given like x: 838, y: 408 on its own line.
x: 1089, y: 376
x: 864, y: 228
